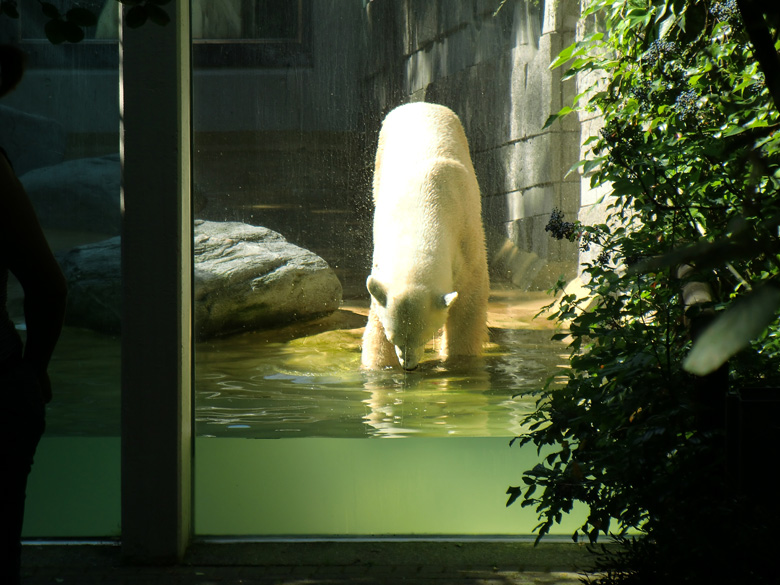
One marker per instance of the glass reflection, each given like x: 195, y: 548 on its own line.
x: 284, y: 139
x: 61, y: 130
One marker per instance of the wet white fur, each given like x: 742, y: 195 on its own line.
x: 429, y: 242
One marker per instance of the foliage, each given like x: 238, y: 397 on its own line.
x: 69, y: 26
x: 689, y: 158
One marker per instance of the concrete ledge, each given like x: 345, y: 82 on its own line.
x: 318, y: 562
x: 515, y: 555
x: 518, y: 556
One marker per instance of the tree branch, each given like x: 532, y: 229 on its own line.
x: 763, y: 46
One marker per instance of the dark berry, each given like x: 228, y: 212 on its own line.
x: 560, y: 229
x: 685, y: 105
x: 727, y: 11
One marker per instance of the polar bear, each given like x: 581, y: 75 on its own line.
x: 429, y: 265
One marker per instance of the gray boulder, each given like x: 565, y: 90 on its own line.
x: 249, y: 277
x: 31, y: 141
x: 246, y: 278
x: 79, y: 195
x: 94, y: 276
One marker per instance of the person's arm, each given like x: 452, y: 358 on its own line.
x: 30, y: 260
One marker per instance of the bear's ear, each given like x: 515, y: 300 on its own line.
x: 444, y: 301
x: 377, y: 290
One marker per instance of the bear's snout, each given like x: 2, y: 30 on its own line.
x: 409, y: 359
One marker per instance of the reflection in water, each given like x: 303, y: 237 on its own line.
x: 84, y: 372
x: 306, y: 381
x: 255, y: 385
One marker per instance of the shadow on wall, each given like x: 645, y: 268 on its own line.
x: 492, y: 69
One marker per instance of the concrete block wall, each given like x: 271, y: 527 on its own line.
x: 593, y: 201
x: 491, y: 66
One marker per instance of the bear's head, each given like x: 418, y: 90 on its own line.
x: 410, y: 317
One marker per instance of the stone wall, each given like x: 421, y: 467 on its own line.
x: 593, y: 202
x: 492, y: 68
x: 293, y: 145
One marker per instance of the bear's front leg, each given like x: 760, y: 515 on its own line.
x: 466, y: 332
x: 377, y: 351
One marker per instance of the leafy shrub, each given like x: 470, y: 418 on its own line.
x: 689, y: 155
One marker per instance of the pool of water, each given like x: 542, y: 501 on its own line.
x: 258, y: 385
x: 320, y: 487
x: 305, y: 381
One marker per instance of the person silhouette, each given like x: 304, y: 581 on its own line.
x: 24, y: 381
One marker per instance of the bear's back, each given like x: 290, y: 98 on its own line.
x: 421, y: 131
x: 426, y: 196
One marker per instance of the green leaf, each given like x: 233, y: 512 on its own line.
x: 733, y: 330
x: 564, y: 56
x: 587, y: 165
x: 592, y: 164
x: 563, y: 112
x: 514, y: 493
x: 566, y: 110
x: 550, y: 121
x: 666, y: 26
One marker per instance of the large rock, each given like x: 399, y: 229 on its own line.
x: 250, y: 277
x: 79, y: 195
x: 31, y: 141
x: 94, y: 275
x: 246, y: 278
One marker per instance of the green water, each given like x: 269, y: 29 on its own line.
x: 448, y: 476
x: 293, y: 383
x: 354, y: 487
x: 74, y: 489
x: 305, y: 381
x: 298, y: 488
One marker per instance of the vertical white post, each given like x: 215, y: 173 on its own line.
x: 156, y: 269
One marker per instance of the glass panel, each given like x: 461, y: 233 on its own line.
x: 34, y: 19
x: 60, y: 128
x: 284, y: 151
x: 248, y: 20
x: 223, y: 21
